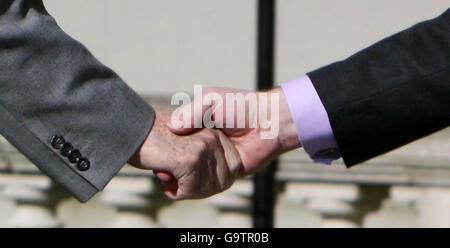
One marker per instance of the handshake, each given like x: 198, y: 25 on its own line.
x: 201, y: 148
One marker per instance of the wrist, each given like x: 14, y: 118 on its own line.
x: 288, y: 135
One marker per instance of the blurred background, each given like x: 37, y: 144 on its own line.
x: 160, y: 47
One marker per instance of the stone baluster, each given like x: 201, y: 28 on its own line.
x: 31, y: 194
x: 317, y: 205
x: 131, y: 198
x: 291, y: 212
x: 434, y: 208
x: 398, y: 210
x: 187, y: 214
x: 7, y: 205
x: 5, y: 150
x: 234, y: 205
x: 35, y: 204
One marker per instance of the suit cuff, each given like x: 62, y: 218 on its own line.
x: 311, y: 119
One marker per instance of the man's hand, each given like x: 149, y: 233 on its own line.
x: 255, y: 151
x: 192, y: 166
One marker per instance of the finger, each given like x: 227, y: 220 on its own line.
x: 232, y: 156
x: 173, y: 185
x: 171, y: 194
x: 169, y: 184
x: 175, y: 195
x: 167, y: 180
x: 164, y: 176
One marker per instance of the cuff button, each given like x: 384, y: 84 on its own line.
x: 74, y: 156
x: 66, y: 149
x: 58, y: 142
x: 83, y: 165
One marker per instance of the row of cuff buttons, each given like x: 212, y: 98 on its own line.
x: 67, y: 150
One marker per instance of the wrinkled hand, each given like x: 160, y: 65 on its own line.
x: 192, y: 166
x: 255, y: 152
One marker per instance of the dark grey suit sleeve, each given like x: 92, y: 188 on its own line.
x: 391, y: 93
x: 50, y: 85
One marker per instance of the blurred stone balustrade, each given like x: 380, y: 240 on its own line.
x: 147, y: 44
x: 409, y: 187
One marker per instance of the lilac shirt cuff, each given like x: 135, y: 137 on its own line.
x: 311, y: 119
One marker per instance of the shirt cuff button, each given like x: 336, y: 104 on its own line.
x: 327, y: 152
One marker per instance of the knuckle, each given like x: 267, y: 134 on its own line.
x: 201, y: 147
x: 193, y: 160
x: 227, y: 184
x: 187, y: 162
x: 209, y: 137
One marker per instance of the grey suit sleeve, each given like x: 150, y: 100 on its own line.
x: 51, y: 86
